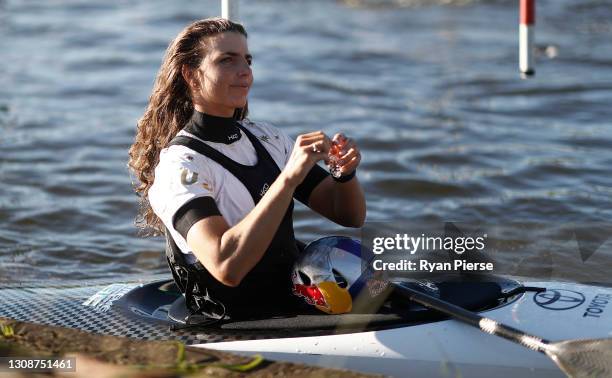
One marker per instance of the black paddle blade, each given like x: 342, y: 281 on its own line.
x: 582, y: 358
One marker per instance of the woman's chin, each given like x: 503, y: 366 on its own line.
x: 240, y: 103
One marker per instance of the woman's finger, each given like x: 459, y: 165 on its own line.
x: 305, y: 140
x: 348, y: 144
x: 313, y: 134
x: 351, y: 165
x: 319, y: 146
x: 350, y: 154
x: 317, y: 154
x: 339, y: 138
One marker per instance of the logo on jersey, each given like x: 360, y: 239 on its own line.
x: 233, y: 137
x: 188, y: 177
x: 264, y: 189
x: 265, y: 138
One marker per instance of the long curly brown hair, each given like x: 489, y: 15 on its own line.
x: 170, y: 107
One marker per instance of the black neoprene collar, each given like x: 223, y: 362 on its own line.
x: 213, y: 128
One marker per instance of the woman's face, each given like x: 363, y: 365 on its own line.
x: 222, y: 81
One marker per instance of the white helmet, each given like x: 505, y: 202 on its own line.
x: 327, y: 274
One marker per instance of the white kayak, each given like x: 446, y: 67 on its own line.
x: 450, y: 348
x: 417, y: 343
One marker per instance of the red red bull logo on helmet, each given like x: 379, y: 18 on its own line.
x: 311, y: 294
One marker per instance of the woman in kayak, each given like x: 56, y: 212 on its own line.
x: 221, y: 187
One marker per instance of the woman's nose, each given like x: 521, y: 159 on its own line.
x: 245, y: 69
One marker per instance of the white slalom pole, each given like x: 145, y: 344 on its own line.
x: 526, y: 37
x: 229, y: 9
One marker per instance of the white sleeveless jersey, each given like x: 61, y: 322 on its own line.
x: 183, y: 174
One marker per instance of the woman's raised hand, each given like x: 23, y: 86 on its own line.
x: 348, y: 155
x: 307, y: 151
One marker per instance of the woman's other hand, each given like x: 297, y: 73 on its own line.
x: 349, y: 155
x: 307, y: 151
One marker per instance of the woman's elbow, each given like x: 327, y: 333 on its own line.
x: 220, y: 267
x: 222, y: 271
x: 227, y: 276
x: 359, y: 223
x: 356, y: 221
x: 229, y: 281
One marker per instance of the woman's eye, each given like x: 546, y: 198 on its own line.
x: 229, y: 60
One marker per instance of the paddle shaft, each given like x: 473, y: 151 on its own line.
x: 485, y: 324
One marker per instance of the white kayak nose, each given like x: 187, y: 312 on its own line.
x: 448, y: 348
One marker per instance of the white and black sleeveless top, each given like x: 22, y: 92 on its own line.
x: 189, y: 186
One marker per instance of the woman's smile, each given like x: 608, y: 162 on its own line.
x: 242, y: 87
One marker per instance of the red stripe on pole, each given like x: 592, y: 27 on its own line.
x: 528, y: 12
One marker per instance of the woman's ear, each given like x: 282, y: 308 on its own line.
x: 187, y: 73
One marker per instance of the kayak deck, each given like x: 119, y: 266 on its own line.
x: 141, y: 311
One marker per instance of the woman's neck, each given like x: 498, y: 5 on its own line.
x: 215, y: 111
x: 213, y: 128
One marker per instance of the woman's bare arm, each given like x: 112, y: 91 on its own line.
x: 343, y: 203
x: 229, y: 253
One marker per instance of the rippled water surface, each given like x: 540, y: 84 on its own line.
x: 430, y: 92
